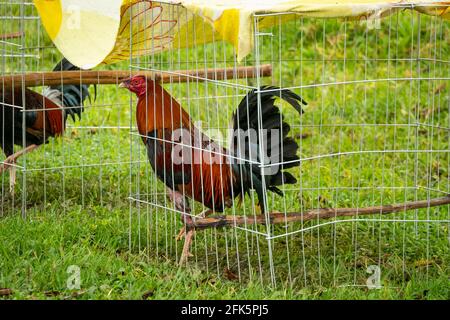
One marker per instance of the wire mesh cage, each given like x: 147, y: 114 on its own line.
x: 373, y: 138
x: 78, y: 165
x: 365, y: 168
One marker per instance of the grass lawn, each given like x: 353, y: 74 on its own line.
x: 91, y: 200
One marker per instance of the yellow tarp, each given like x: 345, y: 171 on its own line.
x: 90, y: 33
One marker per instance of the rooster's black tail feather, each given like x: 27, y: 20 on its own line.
x: 280, y: 150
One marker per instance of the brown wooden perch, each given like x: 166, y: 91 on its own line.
x: 5, y: 292
x: 12, y: 35
x: 315, y: 214
x: 115, y: 76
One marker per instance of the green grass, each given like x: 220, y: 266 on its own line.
x: 37, y: 254
x: 77, y: 188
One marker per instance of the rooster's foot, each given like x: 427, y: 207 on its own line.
x: 181, y: 233
x: 11, y: 160
x: 9, y: 164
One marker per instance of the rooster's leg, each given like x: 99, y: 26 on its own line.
x: 189, y: 234
x: 187, y: 246
x: 12, y: 179
x: 182, y: 232
x: 181, y: 204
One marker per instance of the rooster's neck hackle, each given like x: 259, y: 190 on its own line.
x: 157, y: 109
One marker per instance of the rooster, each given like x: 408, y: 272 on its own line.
x: 192, y: 165
x: 45, y: 116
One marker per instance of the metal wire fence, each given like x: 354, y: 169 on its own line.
x: 375, y: 133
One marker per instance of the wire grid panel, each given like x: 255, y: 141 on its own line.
x: 85, y: 169
x: 375, y: 132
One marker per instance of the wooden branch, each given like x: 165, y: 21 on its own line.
x: 116, y: 76
x: 5, y: 292
x: 324, y: 213
x: 12, y: 35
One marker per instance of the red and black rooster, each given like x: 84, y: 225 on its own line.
x: 45, y: 116
x: 192, y: 165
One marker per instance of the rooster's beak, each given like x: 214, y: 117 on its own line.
x: 124, y: 84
